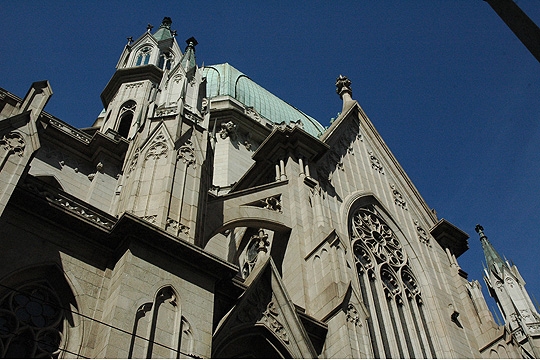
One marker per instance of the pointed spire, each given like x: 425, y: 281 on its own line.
x: 493, y: 259
x: 188, y: 59
x: 164, y: 31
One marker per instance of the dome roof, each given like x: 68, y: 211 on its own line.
x: 223, y: 79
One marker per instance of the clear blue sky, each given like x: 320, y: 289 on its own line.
x: 452, y: 91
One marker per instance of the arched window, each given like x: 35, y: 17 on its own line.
x: 126, y: 118
x: 143, y: 57
x: 397, y: 324
x: 160, y: 330
x: 165, y: 60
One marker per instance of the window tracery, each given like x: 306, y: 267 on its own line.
x: 397, y: 326
x: 143, y: 57
x: 31, y: 323
x: 257, y: 243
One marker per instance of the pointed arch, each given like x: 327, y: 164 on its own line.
x: 397, y: 323
x: 125, y: 118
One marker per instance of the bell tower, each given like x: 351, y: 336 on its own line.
x: 155, y: 100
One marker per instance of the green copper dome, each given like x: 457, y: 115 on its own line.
x: 223, y: 79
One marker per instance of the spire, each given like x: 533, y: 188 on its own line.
x: 164, y: 31
x: 493, y: 259
x: 188, y: 60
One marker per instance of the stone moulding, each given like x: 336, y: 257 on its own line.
x: 70, y: 131
x: 67, y: 202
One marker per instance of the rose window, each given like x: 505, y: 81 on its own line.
x: 31, y: 321
x: 378, y: 237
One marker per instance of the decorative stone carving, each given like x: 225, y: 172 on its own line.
x: 13, y: 143
x: 150, y: 218
x: 260, y: 308
x: 272, y: 203
x: 158, y: 148
x: 398, y: 198
x: 133, y: 162
x: 177, y: 226
x: 186, y: 153
x: 70, y: 131
x: 134, y: 85
x: 72, y: 205
x: 166, y: 111
x: 422, y: 234
x: 375, y: 163
x: 352, y: 315
x: 252, y: 113
x: 228, y: 129
x: 270, y: 319
x: 343, y: 85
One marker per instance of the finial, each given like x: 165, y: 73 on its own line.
x: 343, y: 88
x: 149, y: 27
x: 479, y: 229
x: 173, y: 33
x: 166, y: 22
x: 191, y: 42
x: 343, y: 85
x: 130, y: 40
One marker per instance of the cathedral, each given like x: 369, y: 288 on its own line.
x: 201, y: 216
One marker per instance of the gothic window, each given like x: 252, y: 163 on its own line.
x: 160, y: 330
x: 126, y: 118
x: 31, y: 323
x: 397, y: 324
x: 143, y: 57
x: 165, y: 60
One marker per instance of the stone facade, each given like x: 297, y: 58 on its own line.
x: 201, y: 216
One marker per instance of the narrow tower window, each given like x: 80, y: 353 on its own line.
x: 144, y: 56
x: 126, y: 118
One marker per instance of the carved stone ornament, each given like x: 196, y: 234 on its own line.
x: 150, y: 218
x: 158, y: 148
x: 398, y: 198
x: 375, y: 163
x: 352, y: 315
x: 13, y: 143
x: 252, y: 113
x: 422, y: 234
x: 272, y: 203
x: 228, y: 129
x: 177, y: 226
x: 343, y: 85
x: 54, y: 196
x: 133, y: 162
x: 186, y: 153
x: 260, y: 308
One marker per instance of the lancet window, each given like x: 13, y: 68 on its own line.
x: 160, y: 330
x: 31, y: 323
x: 126, y: 118
x: 143, y: 57
x: 397, y: 323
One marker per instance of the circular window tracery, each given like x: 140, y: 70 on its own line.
x: 371, y: 230
x: 31, y: 323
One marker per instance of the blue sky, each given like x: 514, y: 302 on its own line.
x: 452, y: 91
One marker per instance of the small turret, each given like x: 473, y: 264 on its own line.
x: 507, y: 287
